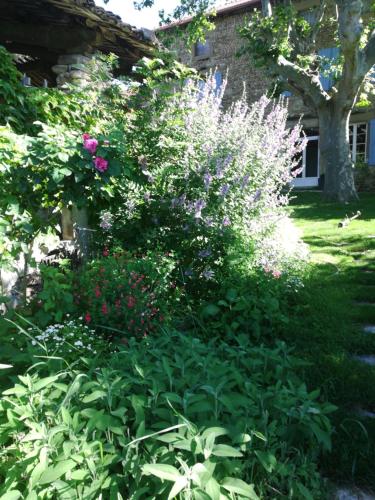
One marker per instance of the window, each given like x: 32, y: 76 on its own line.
x: 202, y: 50
x: 358, y: 141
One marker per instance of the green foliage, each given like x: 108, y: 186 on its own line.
x: 15, y: 108
x: 57, y: 290
x: 170, y: 417
x: 254, y: 305
x: 19, y: 222
x: 269, y: 37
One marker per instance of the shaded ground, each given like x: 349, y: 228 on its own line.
x: 327, y: 326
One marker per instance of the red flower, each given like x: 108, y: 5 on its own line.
x: 105, y: 252
x: 104, y: 308
x: 97, y: 292
x: 85, y: 137
x: 131, y: 301
x: 87, y: 317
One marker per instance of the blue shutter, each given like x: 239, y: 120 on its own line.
x: 332, y: 54
x: 371, y: 148
x: 218, y: 80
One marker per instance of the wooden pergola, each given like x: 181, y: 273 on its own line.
x: 40, y: 31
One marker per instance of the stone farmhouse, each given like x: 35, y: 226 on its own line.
x: 219, y: 54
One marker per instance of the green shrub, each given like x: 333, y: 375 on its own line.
x: 55, y: 300
x: 254, y: 305
x: 171, y: 417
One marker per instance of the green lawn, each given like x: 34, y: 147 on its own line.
x: 327, y: 320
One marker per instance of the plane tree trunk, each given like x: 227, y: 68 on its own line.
x: 335, y: 160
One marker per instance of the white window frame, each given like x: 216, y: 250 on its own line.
x: 354, y: 143
x: 304, y: 181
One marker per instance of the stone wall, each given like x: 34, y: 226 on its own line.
x: 72, y: 68
x: 224, y: 43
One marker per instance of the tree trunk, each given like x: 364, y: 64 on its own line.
x: 335, y: 161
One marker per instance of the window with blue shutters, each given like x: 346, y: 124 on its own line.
x: 371, y: 148
x: 330, y: 56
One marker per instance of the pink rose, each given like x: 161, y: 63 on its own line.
x: 100, y: 164
x: 85, y: 137
x: 90, y: 145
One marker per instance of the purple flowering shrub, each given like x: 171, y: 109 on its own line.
x: 208, y: 177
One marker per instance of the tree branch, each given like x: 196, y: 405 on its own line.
x: 350, y: 29
x: 319, y: 18
x: 306, y: 84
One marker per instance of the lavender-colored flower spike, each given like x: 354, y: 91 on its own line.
x: 224, y: 190
x: 199, y: 205
x: 219, y: 169
x: 245, y: 180
x: 226, y: 221
x: 257, y: 195
x: 207, y: 178
x: 209, y: 221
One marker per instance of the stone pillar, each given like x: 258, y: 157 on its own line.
x: 72, y: 68
x: 67, y: 224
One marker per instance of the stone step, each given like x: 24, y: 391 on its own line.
x: 352, y: 494
x: 368, y: 359
x: 362, y: 412
x: 369, y: 329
